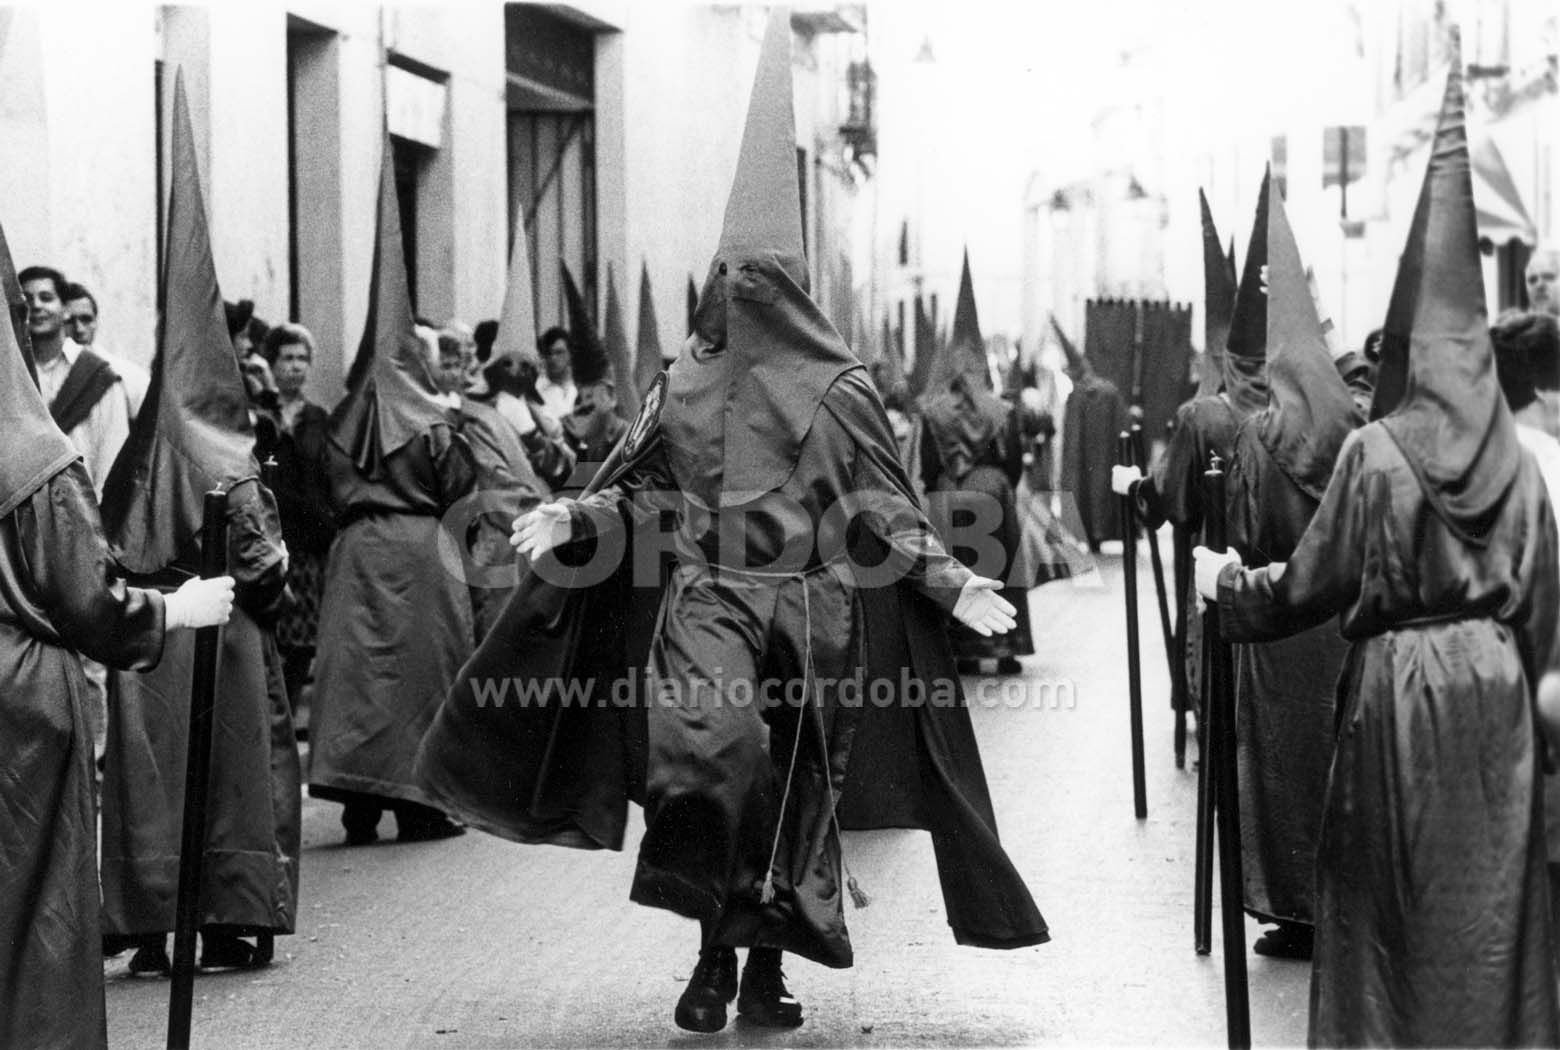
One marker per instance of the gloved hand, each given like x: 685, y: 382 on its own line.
x: 1207, y: 565
x: 1122, y: 478
x: 982, y: 609
x: 199, y: 603
x: 542, y: 529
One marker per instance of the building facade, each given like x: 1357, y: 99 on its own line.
x: 608, y: 130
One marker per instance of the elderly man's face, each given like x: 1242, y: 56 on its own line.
x: 1543, y: 282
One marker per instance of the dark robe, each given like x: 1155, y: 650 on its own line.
x: 250, y: 873
x: 1284, y: 702
x: 395, y: 624
x: 592, y: 436
x: 1432, y: 910
x: 1094, y: 418
x: 564, y: 773
x: 506, y: 487
x: 957, y: 466
x: 60, y: 594
x: 302, y: 493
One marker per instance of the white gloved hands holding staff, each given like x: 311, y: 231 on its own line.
x: 199, y: 603
x: 1207, y: 566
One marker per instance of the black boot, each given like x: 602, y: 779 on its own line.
x: 361, y: 819
x: 702, y: 1007
x: 417, y: 823
x: 151, y: 955
x: 1009, y: 665
x: 764, y: 999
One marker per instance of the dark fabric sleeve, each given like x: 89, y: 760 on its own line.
x: 78, y: 582
x: 887, y: 503
x: 551, y: 458
x: 639, y: 492
x: 453, y: 464
x: 1169, y: 492
x: 254, y: 534
x: 1320, y: 580
x: 1360, y: 377
x: 1241, y: 492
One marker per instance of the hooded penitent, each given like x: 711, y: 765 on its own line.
x: 1310, y: 411
x: 1437, y: 387
x: 1245, y: 383
x: 614, y: 339
x: 390, y: 398
x: 691, y: 302
x: 587, y: 355
x: 924, y: 340
x: 193, y: 432
x: 1077, y: 365
x: 744, y: 390
x: 1218, y: 302
x: 647, y: 348
x: 964, y: 412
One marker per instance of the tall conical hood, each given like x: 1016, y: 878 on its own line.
x: 517, y: 319
x: 587, y: 354
x: 193, y: 433
x: 1452, y: 423
x: 647, y: 350
x: 744, y: 391
x: 764, y: 210
x: 390, y: 398
x: 888, y: 371
x: 925, y: 342
x: 16, y: 304
x: 1077, y: 365
x: 35, y: 450
x: 1218, y: 303
x: 692, y: 302
x: 1245, y: 382
x: 615, y: 338
x: 965, y: 354
x: 1310, y: 412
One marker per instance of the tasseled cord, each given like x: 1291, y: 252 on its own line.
x: 858, y: 896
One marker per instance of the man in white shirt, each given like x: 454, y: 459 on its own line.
x: 556, y: 384
x: 86, y: 395
x: 81, y: 321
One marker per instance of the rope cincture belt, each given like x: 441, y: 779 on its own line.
x: 858, y: 896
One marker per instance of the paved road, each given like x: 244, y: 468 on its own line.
x: 475, y: 942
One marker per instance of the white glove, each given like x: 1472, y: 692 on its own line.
x: 1207, y: 566
x: 199, y: 603
x: 1122, y: 479
x: 982, y: 609
x: 539, y: 531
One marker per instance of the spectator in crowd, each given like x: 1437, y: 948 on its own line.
x: 81, y: 322
x: 556, y: 386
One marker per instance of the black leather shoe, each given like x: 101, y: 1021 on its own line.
x: 151, y: 956
x: 702, y: 1007
x: 764, y: 999
x: 1009, y: 665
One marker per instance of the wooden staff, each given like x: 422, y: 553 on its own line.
x: 1221, y: 718
x: 1181, y: 561
x: 1140, y: 454
x: 197, y: 775
x: 1134, y: 671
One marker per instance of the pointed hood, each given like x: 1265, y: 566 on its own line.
x: 1452, y: 424
x: 691, y: 297
x: 888, y: 371
x: 1245, y: 380
x: 36, y: 450
x: 390, y: 397
x: 647, y: 350
x: 587, y: 354
x: 614, y: 338
x: 1310, y: 412
x: 193, y: 433
x: 925, y: 342
x: 517, y: 319
x: 1218, y: 303
x: 965, y: 354
x: 743, y: 393
x: 1077, y: 365
x: 16, y: 304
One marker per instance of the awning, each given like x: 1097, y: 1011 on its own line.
x: 1501, y: 215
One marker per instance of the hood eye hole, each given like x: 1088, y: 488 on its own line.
x: 722, y: 270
